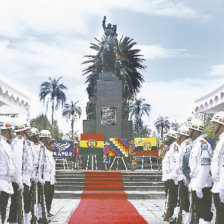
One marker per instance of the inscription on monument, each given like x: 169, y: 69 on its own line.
x: 108, y: 115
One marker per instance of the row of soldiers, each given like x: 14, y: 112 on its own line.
x: 194, y: 174
x: 27, y: 174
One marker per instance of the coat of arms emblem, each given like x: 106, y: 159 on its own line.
x: 92, y: 143
x: 147, y: 146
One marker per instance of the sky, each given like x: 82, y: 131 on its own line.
x: 181, y: 40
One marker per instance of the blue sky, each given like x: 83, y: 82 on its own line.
x: 182, y: 42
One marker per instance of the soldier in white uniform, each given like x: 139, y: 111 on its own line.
x: 200, y: 184
x: 22, y: 152
x: 35, y: 179
x: 217, y: 164
x: 7, y: 168
x: 168, y: 173
x: 183, y: 200
x: 48, y: 168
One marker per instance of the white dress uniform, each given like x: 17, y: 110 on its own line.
x: 179, y: 163
x: 48, y: 165
x: 17, y: 151
x: 7, y: 172
x: 28, y: 163
x: 221, y: 183
x: 199, y: 163
x: 216, y: 164
x: 165, y: 167
x: 36, y: 159
x: 7, y: 166
x: 48, y: 169
x: 217, y: 172
x: 173, y: 161
x: 200, y: 184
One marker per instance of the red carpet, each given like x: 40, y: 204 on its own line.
x: 104, y: 201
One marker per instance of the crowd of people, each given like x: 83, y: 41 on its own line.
x: 27, y: 173
x: 194, y: 174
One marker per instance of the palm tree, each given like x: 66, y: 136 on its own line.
x: 162, y: 124
x: 71, y: 112
x: 130, y: 61
x: 137, y: 109
x: 53, y: 92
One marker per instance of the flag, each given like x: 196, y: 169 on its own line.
x: 92, y: 141
x: 146, y: 146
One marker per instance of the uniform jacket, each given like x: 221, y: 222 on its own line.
x: 169, y: 162
x: 7, y: 166
x: 17, y: 151
x: 221, y: 179
x: 200, y: 164
x: 216, y: 163
x: 182, y: 150
x: 36, y: 157
x: 28, y: 162
x: 22, y: 152
x: 173, y: 161
x: 165, y: 167
x: 48, y: 165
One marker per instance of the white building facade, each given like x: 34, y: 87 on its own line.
x: 13, y: 101
x: 211, y: 103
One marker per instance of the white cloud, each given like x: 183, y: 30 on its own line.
x: 39, y: 39
x: 217, y: 70
x: 157, y: 51
x: 160, y: 8
x: 55, y: 16
x: 175, y: 98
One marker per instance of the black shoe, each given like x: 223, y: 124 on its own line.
x: 172, y: 220
x: 49, y: 214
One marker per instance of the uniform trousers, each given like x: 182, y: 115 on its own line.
x: 219, y: 209
x: 27, y: 198
x: 4, y: 197
x: 202, y: 206
x: 13, y: 211
x: 184, y: 196
x: 49, y: 193
x: 166, y: 187
x: 173, y: 194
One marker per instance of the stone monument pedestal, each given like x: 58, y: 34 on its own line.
x: 109, y: 109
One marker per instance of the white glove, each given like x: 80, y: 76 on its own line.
x: 199, y: 193
x: 215, y: 178
x: 179, y: 172
x: 34, y: 179
x: 41, y: 181
x: 20, y: 186
x: 221, y: 195
x: 186, y: 182
x: 176, y: 181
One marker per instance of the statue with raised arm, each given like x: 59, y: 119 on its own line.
x: 109, y: 29
x: 109, y: 48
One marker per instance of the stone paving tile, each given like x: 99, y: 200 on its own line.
x: 151, y: 210
x: 62, y: 209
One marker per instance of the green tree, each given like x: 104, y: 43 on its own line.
x: 53, y: 92
x: 72, y: 112
x: 129, y: 59
x: 208, y: 128
x: 175, y: 125
x: 162, y: 124
x: 42, y: 123
x: 138, y: 108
